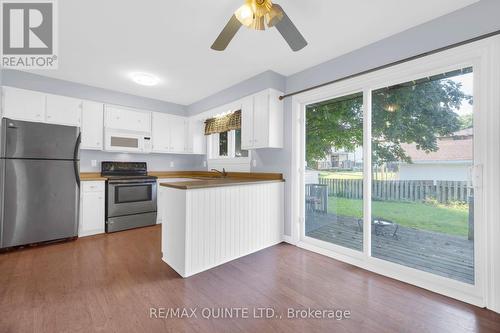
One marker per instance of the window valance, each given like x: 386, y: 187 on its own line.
x: 225, y: 123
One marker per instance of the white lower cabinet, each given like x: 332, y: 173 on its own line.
x: 92, y: 214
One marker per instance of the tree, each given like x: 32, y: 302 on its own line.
x: 409, y: 113
x: 466, y: 121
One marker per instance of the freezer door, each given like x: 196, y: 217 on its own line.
x: 24, y: 139
x: 41, y: 200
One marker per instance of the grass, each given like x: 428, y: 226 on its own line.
x: 452, y: 219
x: 355, y: 175
x: 342, y: 174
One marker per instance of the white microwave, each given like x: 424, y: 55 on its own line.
x: 130, y: 142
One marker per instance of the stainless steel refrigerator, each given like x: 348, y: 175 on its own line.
x: 39, y: 182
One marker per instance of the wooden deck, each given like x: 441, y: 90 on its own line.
x: 438, y: 253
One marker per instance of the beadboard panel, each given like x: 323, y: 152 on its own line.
x: 221, y: 224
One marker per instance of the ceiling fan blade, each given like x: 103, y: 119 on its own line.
x: 290, y: 32
x: 227, y: 34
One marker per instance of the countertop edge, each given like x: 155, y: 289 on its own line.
x: 179, y: 185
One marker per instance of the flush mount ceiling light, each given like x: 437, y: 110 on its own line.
x: 257, y: 14
x: 145, y: 79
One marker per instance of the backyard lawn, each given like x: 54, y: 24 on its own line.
x: 451, y: 220
x: 356, y: 175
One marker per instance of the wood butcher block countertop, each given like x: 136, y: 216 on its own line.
x: 206, y: 179
x: 91, y: 177
x: 201, y: 179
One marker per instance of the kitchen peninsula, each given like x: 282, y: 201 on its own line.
x: 212, y: 220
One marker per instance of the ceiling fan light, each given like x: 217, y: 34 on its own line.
x: 259, y: 23
x: 274, y: 16
x: 245, y: 15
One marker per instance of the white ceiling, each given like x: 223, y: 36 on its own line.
x: 100, y: 42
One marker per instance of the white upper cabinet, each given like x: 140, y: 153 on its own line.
x: 178, y: 126
x: 63, y: 110
x: 121, y: 118
x: 23, y: 104
x: 247, y: 123
x: 161, y: 134
x: 169, y: 133
x: 262, y: 120
x: 195, y: 139
x: 92, y: 125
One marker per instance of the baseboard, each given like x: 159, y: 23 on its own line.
x: 288, y: 239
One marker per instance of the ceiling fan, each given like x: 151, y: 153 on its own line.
x: 257, y: 14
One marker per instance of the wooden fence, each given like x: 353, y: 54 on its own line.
x: 401, y: 190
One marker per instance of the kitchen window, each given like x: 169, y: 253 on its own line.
x: 226, y: 145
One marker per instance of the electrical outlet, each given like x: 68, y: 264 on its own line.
x: 93, y: 163
x: 204, y: 164
x: 171, y: 164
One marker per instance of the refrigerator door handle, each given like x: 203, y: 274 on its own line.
x: 75, y: 159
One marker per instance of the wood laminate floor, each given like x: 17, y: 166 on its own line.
x: 108, y: 283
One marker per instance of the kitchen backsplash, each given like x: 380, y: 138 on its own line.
x: 156, y: 162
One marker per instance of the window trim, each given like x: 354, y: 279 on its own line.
x: 213, y: 149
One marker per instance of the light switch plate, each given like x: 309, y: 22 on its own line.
x: 93, y: 163
x: 204, y: 164
x: 254, y: 163
x: 171, y: 164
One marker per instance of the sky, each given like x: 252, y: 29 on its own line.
x: 467, y: 81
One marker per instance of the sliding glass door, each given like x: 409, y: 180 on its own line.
x: 334, y: 174
x: 422, y: 157
x: 419, y: 211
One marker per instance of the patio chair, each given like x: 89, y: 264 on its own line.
x: 317, y: 198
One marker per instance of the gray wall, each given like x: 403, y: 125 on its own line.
x: 268, y: 79
x: 466, y: 23
x: 156, y: 162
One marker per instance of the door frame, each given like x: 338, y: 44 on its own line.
x: 483, y: 56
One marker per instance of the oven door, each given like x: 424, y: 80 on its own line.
x: 127, y: 197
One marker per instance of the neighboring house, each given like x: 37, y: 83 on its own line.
x: 342, y: 159
x: 451, y: 162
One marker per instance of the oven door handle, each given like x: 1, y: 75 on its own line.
x: 127, y: 182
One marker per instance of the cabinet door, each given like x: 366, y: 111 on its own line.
x: 261, y: 119
x: 161, y: 132
x: 247, y: 123
x: 177, y: 134
x: 23, y: 104
x: 63, y: 110
x: 92, y: 219
x: 92, y: 125
x: 196, y: 139
x: 127, y: 119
